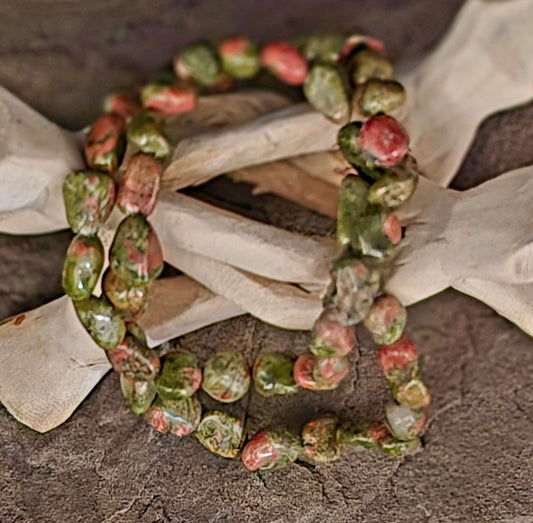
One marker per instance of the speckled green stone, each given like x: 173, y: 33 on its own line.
x: 319, y: 438
x: 135, y: 360
x: 226, y: 377
x: 352, y: 204
x: 144, y: 132
x: 395, y: 186
x: 398, y: 448
x: 82, y: 267
x: 273, y: 375
x: 200, y: 61
x: 368, y: 237
x: 221, y: 434
x: 321, y: 47
x: 180, y: 376
x: 381, y: 96
x: 356, y: 438
x: 128, y: 299
x: 242, y: 65
x: 138, y: 394
x: 348, y: 140
x: 101, y: 320
x: 367, y: 63
x: 178, y: 417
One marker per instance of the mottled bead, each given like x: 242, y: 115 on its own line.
x: 273, y: 375
x: 384, y: 139
x: 381, y: 96
x: 331, y: 338
x: 199, y: 62
x: 239, y: 57
x: 413, y: 394
x: 376, y: 234
x: 134, y: 360
x: 226, y: 377
x: 352, y: 204
x: 319, y: 438
x: 122, y: 104
x: 105, y: 144
x: 303, y: 372
x: 386, y: 320
x: 89, y: 198
x: 221, y: 434
x: 138, y: 394
x: 139, y: 187
x: 348, y: 140
x: 144, y: 133
x: 179, y: 417
x: 168, y: 100
x: 82, y: 266
x: 395, y: 186
x: 101, y: 320
x: 322, y: 47
x: 399, y: 448
x: 135, y: 253
x: 367, y: 63
x: 404, y: 423
x: 326, y: 91
x: 272, y: 448
x: 180, y: 376
x: 358, y: 40
x: 284, y: 61
x: 366, y: 438
x: 129, y: 300
x: 320, y: 373
x: 399, y: 361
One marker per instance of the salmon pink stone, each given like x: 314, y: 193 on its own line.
x: 284, y: 61
x: 331, y: 338
x: 168, y: 100
x: 398, y: 355
x: 105, y: 142
x: 122, y: 104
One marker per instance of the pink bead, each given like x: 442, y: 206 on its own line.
x: 169, y: 101
x: 354, y: 40
x: 392, y: 229
x: 340, y: 337
x: 121, y: 104
x: 303, y: 372
x: 259, y: 452
x: 285, y: 61
x: 233, y: 46
x: 398, y: 355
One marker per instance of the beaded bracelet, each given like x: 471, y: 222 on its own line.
x: 160, y: 385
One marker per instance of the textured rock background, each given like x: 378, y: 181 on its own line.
x: 62, y: 57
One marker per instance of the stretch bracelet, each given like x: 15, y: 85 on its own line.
x: 126, y: 152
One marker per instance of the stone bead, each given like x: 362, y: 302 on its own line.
x: 353, y: 202
x: 384, y: 139
x: 129, y: 300
x: 134, y: 360
x: 331, y: 338
x: 199, y: 62
x: 320, y: 374
x: 404, y: 423
x: 180, y: 376
x: 179, y: 417
x: 122, y: 104
x: 101, y: 320
x: 221, y: 434
x: 319, y: 438
x: 395, y: 186
x: 348, y: 140
x: 138, y: 394
x: 398, y: 448
x: 284, y: 61
x: 366, y: 63
x: 144, y: 133
x: 139, y: 187
x: 381, y: 96
x: 386, y: 320
x: 326, y: 91
x: 226, y: 377
x: 240, y: 57
x: 322, y: 47
x: 360, y: 41
x: 303, y: 372
x: 105, y: 144
x: 399, y: 361
x: 272, y: 448
x: 89, y: 198
x: 367, y: 438
x: 135, y: 253
x: 82, y: 267
x: 168, y: 100
x: 273, y: 375
x: 413, y: 394
x: 376, y: 234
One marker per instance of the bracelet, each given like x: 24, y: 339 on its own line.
x: 160, y: 384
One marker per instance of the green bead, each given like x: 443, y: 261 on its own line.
x: 367, y: 63
x: 221, y: 434
x: 179, y: 417
x: 412, y: 394
x: 381, y: 96
x: 348, y: 140
x: 200, y: 62
x: 240, y: 58
x: 144, y: 132
x: 82, y: 267
x: 326, y: 91
x: 395, y: 186
x: 138, y: 394
x: 101, y: 320
x: 386, y: 320
x: 368, y: 235
x: 321, y: 47
x: 128, y: 299
x: 226, y: 377
x: 273, y: 375
x: 135, y: 360
x: 398, y: 448
x: 352, y: 204
x: 319, y: 438
x: 180, y: 376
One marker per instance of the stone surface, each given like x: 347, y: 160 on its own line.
x: 104, y: 464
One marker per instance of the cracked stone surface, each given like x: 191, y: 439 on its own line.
x: 104, y: 464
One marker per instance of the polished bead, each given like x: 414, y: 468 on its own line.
x: 138, y: 394
x: 322, y: 47
x: 352, y: 204
x: 180, y: 376
x: 325, y: 89
x: 348, y: 140
x: 383, y: 138
x: 386, y: 320
x: 366, y: 438
x: 105, y: 144
x: 399, y: 448
x: 129, y: 300
x: 168, y: 100
x: 367, y: 63
x: 330, y: 371
x: 240, y: 57
x: 226, y: 377
x: 395, y: 186
x: 361, y: 41
x: 179, y: 417
x: 303, y: 372
x: 89, y: 198
x: 272, y: 448
x: 134, y: 360
x: 135, y: 253
x: 404, y: 423
x: 122, y: 104
x: 82, y: 267
x: 381, y: 96
x: 144, y: 133
x: 284, y: 61
x: 319, y: 438
x: 331, y: 338
x: 101, y: 320
x: 199, y: 62
x: 221, y: 434
x: 413, y: 394
x: 376, y: 234
x: 273, y: 375
x: 399, y: 361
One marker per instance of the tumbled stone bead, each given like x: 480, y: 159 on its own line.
x: 353, y: 202
x: 199, y: 62
x: 139, y: 187
x: 223, y: 84
x: 361, y: 41
x: 366, y: 63
x: 398, y: 448
x: 129, y: 300
x: 386, y: 320
x: 83, y: 264
x: 322, y: 47
x: 105, y: 144
x: 135, y: 253
x: 319, y: 438
x: 381, y: 96
x: 179, y: 417
x: 134, y: 360
x: 226, y: 377
x: 320, y: 374
x: 284, y: 61
x: 348, y: 140
x: 399, y: 361
x: 101, y: 320
x: 331, y: 338
x: 180, y: 376
x: 273, y: 375
x: 89, y: 198
x: 138, y: 394
x: 395, y: 186
x: 168, y: 100
x: 122, y: 104
x: 240, y: 57
x: 272, y: 448
x: 404, y: 423
x: 221, y: 434
x: 376, y: 234
x: 303, y: 372
x: 144, y: 133
x: 326, y: 91
x: 413, y: 394
x: 366, y: 438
